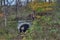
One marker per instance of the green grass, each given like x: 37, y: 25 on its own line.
x: 46, y: 28
x: 6, y: 33
x: 10, y: 31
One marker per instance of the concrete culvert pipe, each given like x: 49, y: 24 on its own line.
x: 23, y: 27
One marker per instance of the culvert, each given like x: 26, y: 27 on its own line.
x: 23, y: 26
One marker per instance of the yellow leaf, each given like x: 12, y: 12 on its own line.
x: 38, y: 17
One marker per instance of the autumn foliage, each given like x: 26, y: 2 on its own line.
x: 45, y: 6
x: 41, y: 7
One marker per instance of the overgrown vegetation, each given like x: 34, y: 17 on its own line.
x: 46, y: 27
x: 9, y: 32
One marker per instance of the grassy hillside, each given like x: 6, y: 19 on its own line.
x: 46, y: 28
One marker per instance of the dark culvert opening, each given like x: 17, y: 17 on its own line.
x: 24, y: 27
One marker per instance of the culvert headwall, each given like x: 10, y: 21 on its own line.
x: 23, y: 26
